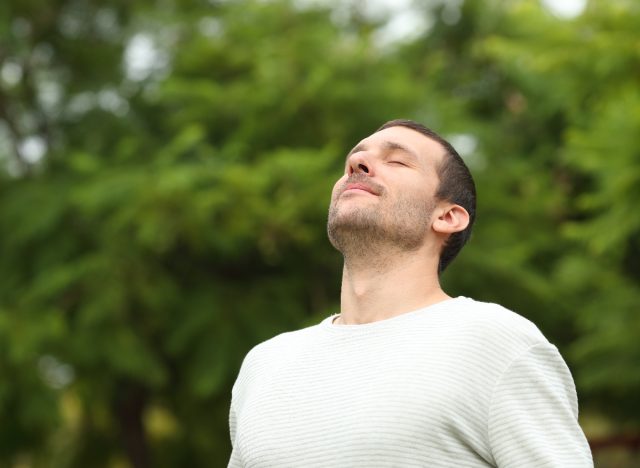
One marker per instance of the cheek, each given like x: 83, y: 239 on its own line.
x: 417, y: 193
x: 336, y: 187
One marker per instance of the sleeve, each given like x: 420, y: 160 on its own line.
x: 234, y: 462
x: 232, y: 424
x: 533, y: 415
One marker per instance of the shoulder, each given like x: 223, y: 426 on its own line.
x: 287, y: 341
x: 496, y: 321
x: 281, y: 347
x: 491, y: 333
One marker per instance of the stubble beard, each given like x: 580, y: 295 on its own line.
x: 378, y: 230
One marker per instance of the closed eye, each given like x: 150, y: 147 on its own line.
x: 399, y: 163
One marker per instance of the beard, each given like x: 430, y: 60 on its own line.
x: 366, y: 228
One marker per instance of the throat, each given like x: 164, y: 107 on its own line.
x: 382, y: 287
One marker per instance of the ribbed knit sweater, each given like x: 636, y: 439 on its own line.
x: 457, y: 384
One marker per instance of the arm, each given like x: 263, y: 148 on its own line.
x: 233, y: 461
x: 533, y: 416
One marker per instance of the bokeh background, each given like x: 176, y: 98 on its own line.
x: 165, y: 169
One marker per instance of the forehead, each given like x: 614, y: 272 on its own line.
x: 428, y: 150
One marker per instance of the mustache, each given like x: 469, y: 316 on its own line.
x: 360, y: 178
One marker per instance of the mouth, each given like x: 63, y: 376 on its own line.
x: 358, y: 187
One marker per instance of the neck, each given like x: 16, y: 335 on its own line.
x: 383, y: 286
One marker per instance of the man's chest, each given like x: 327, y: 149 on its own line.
x: 390, y: 406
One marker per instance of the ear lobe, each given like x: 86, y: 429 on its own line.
x: 453, y: 218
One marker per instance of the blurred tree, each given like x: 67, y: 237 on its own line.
x: 166, y: 174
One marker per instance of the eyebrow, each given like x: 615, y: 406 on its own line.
x: 387, y: 146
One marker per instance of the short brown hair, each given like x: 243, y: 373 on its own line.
x: 456, y: 186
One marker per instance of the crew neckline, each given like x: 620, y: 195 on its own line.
x: 400, y: 318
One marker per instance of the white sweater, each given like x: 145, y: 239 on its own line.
x: 457, y: 384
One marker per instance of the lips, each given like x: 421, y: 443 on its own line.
x: 359, y: 186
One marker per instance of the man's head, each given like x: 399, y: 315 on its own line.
x: 401, y: 185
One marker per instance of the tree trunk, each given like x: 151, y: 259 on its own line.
x: 129, y: 407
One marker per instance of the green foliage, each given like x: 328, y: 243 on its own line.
x: 177, y: 216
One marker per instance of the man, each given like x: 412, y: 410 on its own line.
x: 406, y: 375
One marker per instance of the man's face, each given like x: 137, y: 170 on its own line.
x: 387, y: 193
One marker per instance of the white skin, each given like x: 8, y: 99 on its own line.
x: 387, y: 222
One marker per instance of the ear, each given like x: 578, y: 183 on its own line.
x: 450, y: 219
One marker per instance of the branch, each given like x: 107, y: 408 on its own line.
x: 630, y: 442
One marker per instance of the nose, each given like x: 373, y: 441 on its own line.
x: 359, y: 163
